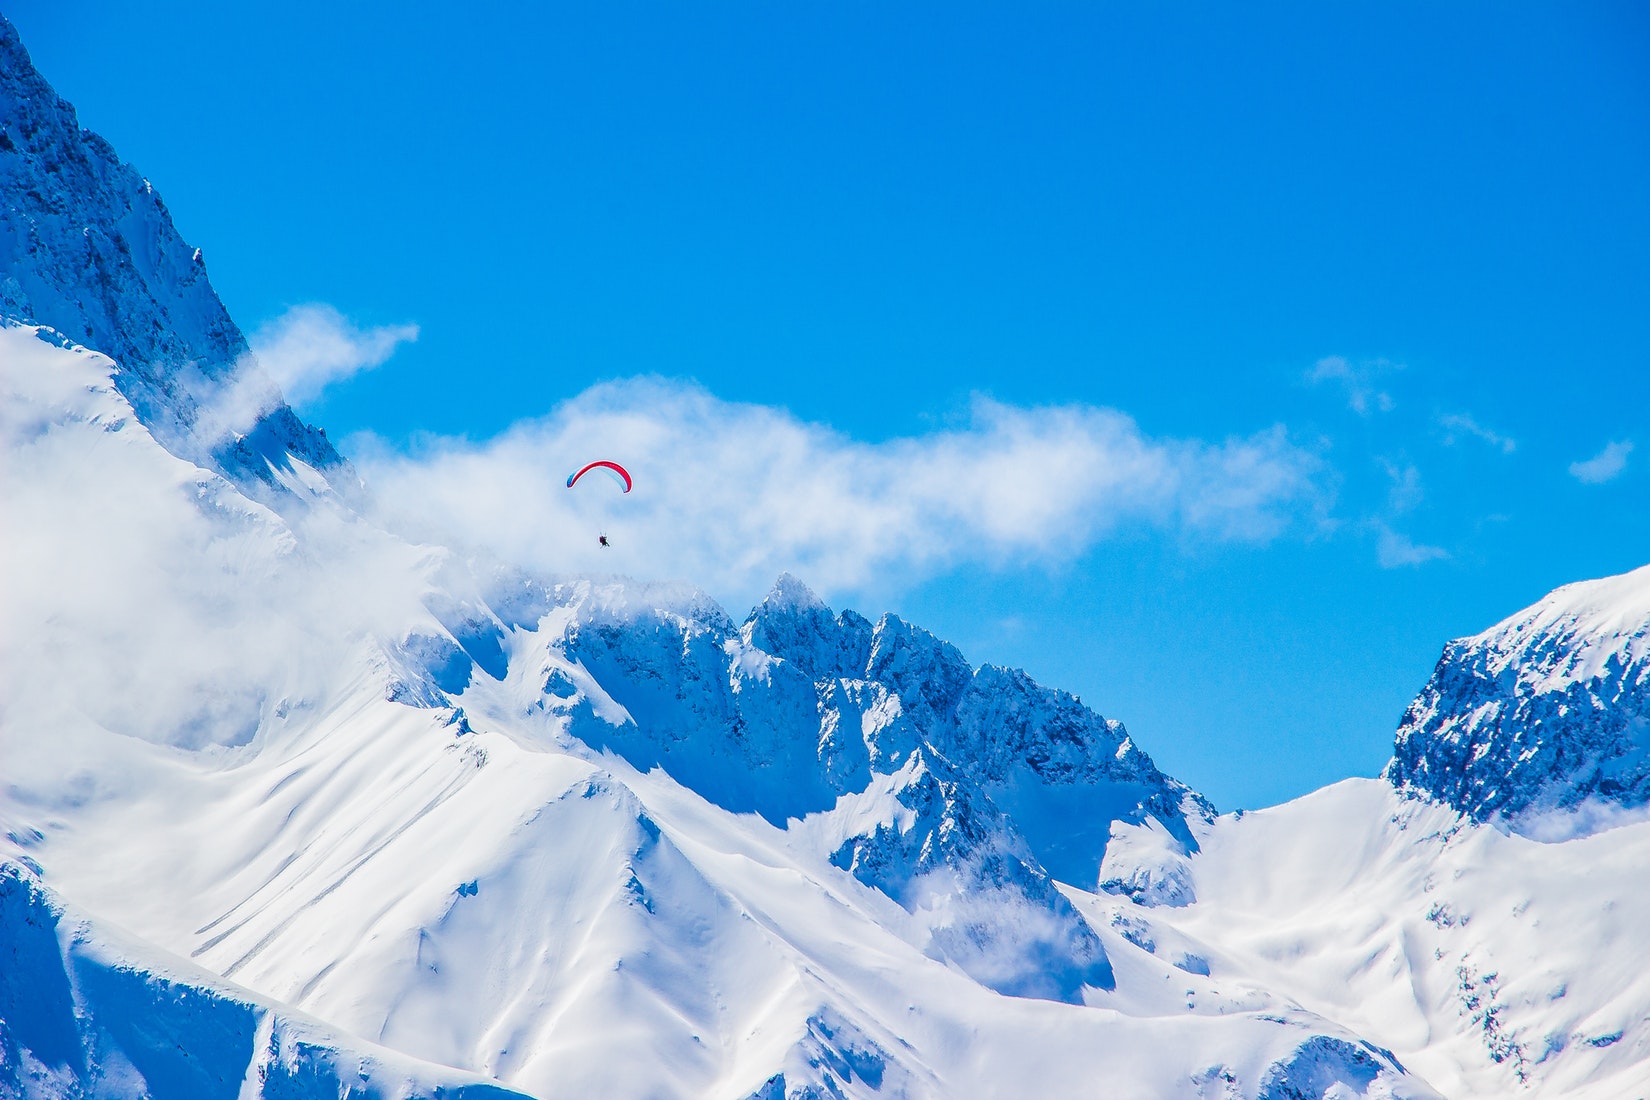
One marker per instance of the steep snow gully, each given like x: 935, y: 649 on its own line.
x: 293, y: 807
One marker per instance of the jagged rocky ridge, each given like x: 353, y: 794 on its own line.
x: 88, y: 248
x: 907, y: 754
x: 1547, y: 710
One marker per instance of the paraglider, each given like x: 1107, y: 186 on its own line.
x: 613, y: 470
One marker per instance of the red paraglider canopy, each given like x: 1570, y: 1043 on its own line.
x: 614, y: 468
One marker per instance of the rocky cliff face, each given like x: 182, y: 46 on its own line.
x: 961, y: 793
x: 1547, y: 710
x: 88, y: 248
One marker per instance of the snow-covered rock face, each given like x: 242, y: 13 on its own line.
x: 948, y: 855
x: 1000, y: 726
x: 1013, y: 785
x: 1546, y: 711
x: 910, y: 753
x: 88, y: 248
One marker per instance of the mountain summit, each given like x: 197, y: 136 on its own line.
x: 1547, y: 710
x: 88, y: 249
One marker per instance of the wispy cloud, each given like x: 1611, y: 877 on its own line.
x: 729, y: 494
x: 1406, y: 492
x: 293, y: 359
x: 1604, y: 466
x: 1459, y: 425
x: 1396, y: 551
x: 309, y: 347
x: 1357, y: 381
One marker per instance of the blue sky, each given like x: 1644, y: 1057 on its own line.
x: 1415, y: 242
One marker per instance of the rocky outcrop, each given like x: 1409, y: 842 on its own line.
x: 88, y: 248
x: 1547, y: 710
x: 962, y: 793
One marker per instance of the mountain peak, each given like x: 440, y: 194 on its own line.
x: 1547, y: 710
x: 88, y: 249
x: 790, y: 594
x: 794, y: 624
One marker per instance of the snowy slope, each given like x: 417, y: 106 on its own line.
x: 1546, y: 711
x: 1490, y: 964
x: 85, y: 1010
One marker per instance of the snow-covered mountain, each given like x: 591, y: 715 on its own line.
x: 88, y: 248
x: 580, y: 837
x: 1547, y: 710
x: 294, y: 807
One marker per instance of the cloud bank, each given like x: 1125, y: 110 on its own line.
x: 292, y: 359
x: 730, y: 494
x: 148, y: 597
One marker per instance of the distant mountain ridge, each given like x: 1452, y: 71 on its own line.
x: 931, y: 751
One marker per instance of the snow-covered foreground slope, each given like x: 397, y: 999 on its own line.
x: 84, y: 1010
x: 1490, y: 964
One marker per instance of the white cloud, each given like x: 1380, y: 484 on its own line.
x: 150, y: 598
x: 1357, y: 380
x: 728, y: 495
x: 293, y: 358
x: 1603, y: 466
x: 1456, y: 425
x: 1395, y: 551
x: 309, y: 347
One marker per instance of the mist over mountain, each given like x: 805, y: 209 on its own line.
x: 296, y: 806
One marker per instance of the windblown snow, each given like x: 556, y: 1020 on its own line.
x: 291, y: 806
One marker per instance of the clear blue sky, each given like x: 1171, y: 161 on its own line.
x: 866, y: 216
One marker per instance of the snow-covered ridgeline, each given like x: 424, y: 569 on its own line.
x: 88, y: 248
x: 1548, y: 710
x: 910, y: 757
